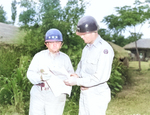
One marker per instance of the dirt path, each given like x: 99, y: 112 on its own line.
x: 135, y: 98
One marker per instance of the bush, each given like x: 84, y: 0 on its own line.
x: 119, y: 77
x: 8, y: 59
x: 15, y: 87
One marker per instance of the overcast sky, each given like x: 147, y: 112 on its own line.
x: 96, y: 9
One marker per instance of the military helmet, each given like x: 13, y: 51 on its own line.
x: 53, y: 35
x: 87, y: 24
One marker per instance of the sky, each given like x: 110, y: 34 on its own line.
x: 96, y: 9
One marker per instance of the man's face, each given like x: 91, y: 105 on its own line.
x: 88, y: 37
x: 54, y: 47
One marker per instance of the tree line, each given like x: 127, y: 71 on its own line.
x: 35, y: 14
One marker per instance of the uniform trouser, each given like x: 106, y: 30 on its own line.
x: 93, y: 102
x: 43, y: 102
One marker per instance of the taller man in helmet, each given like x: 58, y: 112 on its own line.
x: 93, y: 70
x: 50, y: 65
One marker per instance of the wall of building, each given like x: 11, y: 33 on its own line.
x: 143, y: 53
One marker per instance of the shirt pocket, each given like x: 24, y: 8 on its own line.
x: 91, y: 66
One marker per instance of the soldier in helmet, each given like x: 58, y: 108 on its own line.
x: 93, y: 70
x: 45, y: 70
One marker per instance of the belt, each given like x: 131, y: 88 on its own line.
x: 100, y: 83
x: 96, y: 84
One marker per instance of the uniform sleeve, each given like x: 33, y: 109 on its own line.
x: 70, y: 68
x: 78, y: 69
x: 33, y: 73
x: 102, y: 73
x: 79, y: 64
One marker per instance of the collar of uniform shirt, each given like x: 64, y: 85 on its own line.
x: 98, y: 40
x: 58, y: 53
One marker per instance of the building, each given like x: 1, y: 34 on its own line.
x: 143, y: 46
x: 120, y: 53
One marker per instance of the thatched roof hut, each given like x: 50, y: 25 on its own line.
x: 10, y: 33
x: 120, y: 51
x: 143, y: 46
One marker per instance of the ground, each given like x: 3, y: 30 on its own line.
x: 134, y: 99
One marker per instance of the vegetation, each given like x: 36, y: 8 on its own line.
x: 134, y: 98
x: 15, y: 59
x: 128, y: 16
x: 14, y: 10
x: 2, y: 15
x: 15, y: 87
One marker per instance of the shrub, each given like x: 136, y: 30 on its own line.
x: 15, y: 87
x: 8, y: 59
x: 119, y: 77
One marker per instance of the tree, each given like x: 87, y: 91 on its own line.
x: 73, y: 10
x: 114, y: 23
x: 2, y: 15
x: 119, y: 40
x: 130, y: 17
x: 14, y: 10
x: 105, y: 34
x: 50, y: 14
x: 28, y: 16
x: 147, y: 1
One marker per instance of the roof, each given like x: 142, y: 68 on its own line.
x: 120, y: 51
x: 9, y: 33
x: 141, y: 43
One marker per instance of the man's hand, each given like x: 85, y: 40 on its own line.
x: 74, y: 75
x: 71, y: 81
x: 83, y: 88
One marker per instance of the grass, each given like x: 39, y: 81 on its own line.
x: 134, y: 98
x: 9, y: 110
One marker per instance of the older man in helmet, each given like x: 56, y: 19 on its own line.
x: 93, y: 70
x: 45, y: 71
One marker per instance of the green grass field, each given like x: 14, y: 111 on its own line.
x: 134, y: 99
